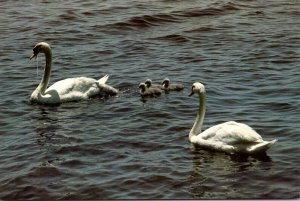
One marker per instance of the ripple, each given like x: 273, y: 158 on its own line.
x: 175, y: 38
x: 124, y: 148
x: 144, y: 21
x: 76, y: 149
x: 196, y: 12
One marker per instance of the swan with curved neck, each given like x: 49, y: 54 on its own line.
x: 70, y: 89
x: 229, y: 137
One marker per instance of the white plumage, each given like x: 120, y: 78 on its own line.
x: 230, y: 137
x: 70, y: 89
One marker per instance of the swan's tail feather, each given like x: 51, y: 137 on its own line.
x: 261, y: 147
x: 103, y: 79
x: 105, y: 87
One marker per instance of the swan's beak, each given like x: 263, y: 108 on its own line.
x: 32, y: 56
x: 192, y: 91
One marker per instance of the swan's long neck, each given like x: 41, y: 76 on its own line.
x: 47, y: 72
x: 196, y: 129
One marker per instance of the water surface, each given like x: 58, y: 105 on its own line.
x: 245, y: 52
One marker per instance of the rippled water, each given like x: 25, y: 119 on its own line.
x: 246, y: 53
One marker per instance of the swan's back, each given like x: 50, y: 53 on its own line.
x: 232, y: 132
x: 78, y: 85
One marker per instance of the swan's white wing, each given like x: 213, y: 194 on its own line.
x: 210, y: 132
x: 232, y: 133
x: 79, y: 84
x: 73, y: 89
x: 237, y: 133
x: 103, y: 79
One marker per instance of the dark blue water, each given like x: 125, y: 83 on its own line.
x: 245, y: 52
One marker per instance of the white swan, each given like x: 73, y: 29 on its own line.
x: 230, y: 137
x: 71, y: 89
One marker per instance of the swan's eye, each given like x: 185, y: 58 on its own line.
x: 36, y: 50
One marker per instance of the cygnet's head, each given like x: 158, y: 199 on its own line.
x: 142, y: 87
x: 148, y: 83
x: 40, y: 47
x: 197, y: 87
x: 166, y: 82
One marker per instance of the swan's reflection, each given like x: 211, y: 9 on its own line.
x: 45, y: 126
x: 219, y: 176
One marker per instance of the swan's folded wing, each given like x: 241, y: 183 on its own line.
x: 213, y: 145
x: 210, y: 133
x: 78, y: 84
x: 236, y: 133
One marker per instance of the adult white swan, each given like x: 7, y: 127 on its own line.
x: 230, y: 137
x: 70, y: 89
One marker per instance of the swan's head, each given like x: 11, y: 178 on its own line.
x: 197, y: 87
x: 142, y: 87
x: 148, y: 83
x: 166, y: 82
x: 40, y: 47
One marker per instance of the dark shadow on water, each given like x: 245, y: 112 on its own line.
x: 237, y: 157
x: 263, y: 157
x: 45, y: 126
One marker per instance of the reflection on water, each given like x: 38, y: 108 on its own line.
x: 227, y: 170
x: 45, y: 128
